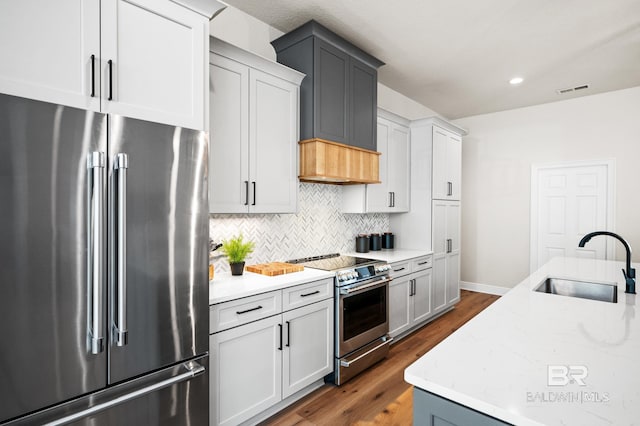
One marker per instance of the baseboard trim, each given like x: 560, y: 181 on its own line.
x: 484, y: 288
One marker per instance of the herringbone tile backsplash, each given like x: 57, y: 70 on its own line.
x: 318, y: 228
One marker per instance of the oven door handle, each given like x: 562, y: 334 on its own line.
x: 348, y: 291
x: 348, y: 363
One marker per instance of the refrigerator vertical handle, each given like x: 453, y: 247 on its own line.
x: 95, y: 244
x: 120, y: 331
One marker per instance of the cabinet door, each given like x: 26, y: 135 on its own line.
x: 331, y: 87
x: 308, y: 346
x: 229, y: 136
x: 439, y: 244
x: 46, y: 51
x: 246, y: 375
x: 363, y: 89
x: 440, y: 164
x: 273, y: 136
x: 398, y: 168
x: 421, y: 298
x: 399, y: 315
x: 378, y: 196
x: 157, y: 52
x: 454, y: 165
x: 453, y: 257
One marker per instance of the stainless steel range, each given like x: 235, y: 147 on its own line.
x: 361, y: 311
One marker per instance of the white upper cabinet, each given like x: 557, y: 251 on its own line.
x: 153, y: 61
x: 140, y: 58
x: 447, y: 164
x: 254, y: 132
x: 436, y: 152
x: 392, y: 194
x: 47, y: 49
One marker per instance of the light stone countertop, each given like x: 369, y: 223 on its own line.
x: 498, y: 362
x: 225, y: 287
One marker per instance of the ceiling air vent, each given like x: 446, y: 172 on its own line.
x: 572, y: 89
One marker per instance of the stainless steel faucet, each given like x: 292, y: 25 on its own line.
x: 630, y: 273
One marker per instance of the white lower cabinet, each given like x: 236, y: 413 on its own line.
x: 399, y: 317
x: 308, y: 346
x: 246, y: 370
x: 257, y: 365
x: 410, y: 300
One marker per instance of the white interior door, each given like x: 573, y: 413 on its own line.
x: 567, y: 202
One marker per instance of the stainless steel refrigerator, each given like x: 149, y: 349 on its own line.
x: 103, y: 269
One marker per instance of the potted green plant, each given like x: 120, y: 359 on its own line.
x: 236, y: 250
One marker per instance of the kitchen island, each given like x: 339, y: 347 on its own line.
x: 533, y: 358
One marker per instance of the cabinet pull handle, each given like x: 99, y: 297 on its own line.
x: 254, y: 193
x: 280, y: 327
x: 449, y: 245
x: 423, y: 263
x: 390, y: 199
x: 93, y: 76
x: 110, y: 62
x: 310, y: 294
x: 399, y: 269
x: 249, y: 310
x: 288, y: 334
x: 246, y: 192
x: 449, y: 188
x: 393, y: 199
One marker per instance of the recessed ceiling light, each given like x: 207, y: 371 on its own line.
x: 516, y: 80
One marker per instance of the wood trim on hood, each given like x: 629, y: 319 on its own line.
x: 323, y: 161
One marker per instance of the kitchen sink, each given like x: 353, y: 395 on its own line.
x: 582, y: 289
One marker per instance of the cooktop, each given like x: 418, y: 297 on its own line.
x: 333, y: 262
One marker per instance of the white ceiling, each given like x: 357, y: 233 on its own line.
x: 457, y: 56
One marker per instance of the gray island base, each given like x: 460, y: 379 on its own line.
x: 432, y: 410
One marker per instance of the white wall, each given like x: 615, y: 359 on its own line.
x: 496, y: 164
x: 243, y: 30
x: 240, y: 29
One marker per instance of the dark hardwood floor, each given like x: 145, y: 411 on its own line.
x: 380, y: 396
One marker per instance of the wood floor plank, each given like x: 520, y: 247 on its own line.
x: 380, y: 396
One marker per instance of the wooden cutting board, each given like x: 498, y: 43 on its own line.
x: 274, y: 268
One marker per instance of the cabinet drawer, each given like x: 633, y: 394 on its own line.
x: 241, y: 311
x: 399, y: 269
x: 304, y: 294
x: 421, y: 263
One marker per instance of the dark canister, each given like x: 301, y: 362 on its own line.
x: 387, y: 240
x: 362, y: 243
x: 375, y: 242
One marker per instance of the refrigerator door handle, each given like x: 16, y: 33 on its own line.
x: 120, y: 331
x: 193, y: 370
x: 95, y: 255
